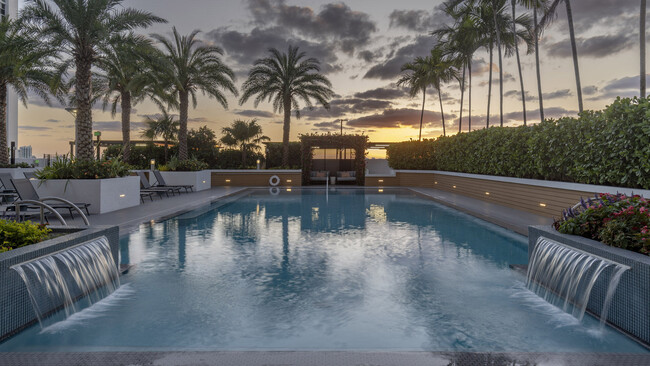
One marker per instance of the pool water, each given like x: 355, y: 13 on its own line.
x: 351, y: 269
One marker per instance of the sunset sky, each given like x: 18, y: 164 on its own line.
x: 362, y: 45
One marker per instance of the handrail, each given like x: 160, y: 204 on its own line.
x: 41, y: 205
x: 75, y: 207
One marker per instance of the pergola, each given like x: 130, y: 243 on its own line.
x: 358, y: 143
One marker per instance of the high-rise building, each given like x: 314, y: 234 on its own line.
x: 10, y: 8
x: 24, y: 152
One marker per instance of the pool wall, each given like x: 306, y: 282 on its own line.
x: 16, y: 310
x: 630, y: 307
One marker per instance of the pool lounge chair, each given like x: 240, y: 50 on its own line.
x: 7, y: 193
x: 319, y: 175
x: 146, y: 187
x: 26, y: 192
x: 346, y: 176
x: 160, y: 182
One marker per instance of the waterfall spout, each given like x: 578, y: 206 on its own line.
x: 565, y: 276
x: 60, y: 278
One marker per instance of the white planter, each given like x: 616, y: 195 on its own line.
x: 201, y: 180
x: 104, y: 195
x: 17, y: 173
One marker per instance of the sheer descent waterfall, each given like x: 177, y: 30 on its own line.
x: 60, y: 278
x: 564, y: 276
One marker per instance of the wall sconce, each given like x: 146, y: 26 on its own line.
x: 288, y: 189
x: 380, y: 181
x: 227, y: 180
x: 122, y: 195
x: 380, y: 190
x: 543, y: 204
x: 487, y: 193
x: 288, y: 180
x: 454, y: 186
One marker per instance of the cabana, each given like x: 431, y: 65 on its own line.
x: 326, y: 156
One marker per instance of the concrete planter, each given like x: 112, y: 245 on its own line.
x: 16, y: 310
x: 17, y: 173
x: 630, y: 306
x: 201, y: 180
x: 104, y: 195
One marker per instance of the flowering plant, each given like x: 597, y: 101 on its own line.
x: 616, y: 220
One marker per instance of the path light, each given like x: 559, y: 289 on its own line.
x: 288, y: 180
x: 122, y: 195
x: 153, y: 164
x: 543, y: 204
x: 487, y: 193
x: 258, y: 164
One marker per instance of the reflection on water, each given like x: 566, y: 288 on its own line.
x: 306, y: 270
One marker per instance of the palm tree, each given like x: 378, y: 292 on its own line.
x: 245, y: 135
x: 642, y: 46
x: 445, y: 70
x: 189, y: 66
x: 25, y: 65
x: 286, y: 78
x: 166, y: 126
x: 126, y: 80
x: 546, y: 20
x: 417, y: 79
x: 80, y: 28
x: 525, y: 35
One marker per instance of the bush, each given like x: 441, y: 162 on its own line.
x: 62, y: 168
x: 616, y: 220
x: 19, y: 234
x: 609, y: 147
x: 18, y: 165
x: 141, y: 156
x: 274, y: 151
x: 188, y: 165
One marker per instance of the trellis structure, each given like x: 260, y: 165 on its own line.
x: 358, y: 143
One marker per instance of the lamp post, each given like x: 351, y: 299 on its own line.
x: 153, y: 164
x: 73, y: 112
x: 99, y: 135
x: 342, y: 120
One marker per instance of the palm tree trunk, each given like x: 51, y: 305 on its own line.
x: 424, y: 95
x: 442, y: 112
x: 539, y: 77
x: 182, y: 128
x: 642, y: 46
x: 243, y: 156
x: 84, y: 119
x: 126, y: 125
x: 4, y: 153
x: 497, y: 30
x: 462, y: 94
x: 574, y: 51
x: 285, y: 131
x: 166, y: 150
x: 521, y: 77
x: 487, y: 123
x: 469, y: 67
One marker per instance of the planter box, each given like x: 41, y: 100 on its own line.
x: 104, y: 195
x: 16, y: 309
x: 630, y: 306
x: 201, y: 180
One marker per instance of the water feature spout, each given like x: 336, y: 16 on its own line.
x: 564, y: 276
x: 58, y: 279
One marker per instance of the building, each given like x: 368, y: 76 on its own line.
x: 25, y: 152
x: 10, y: 8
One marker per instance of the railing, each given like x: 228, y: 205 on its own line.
x: 42, y: 206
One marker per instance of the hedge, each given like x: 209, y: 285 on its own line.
x: 608, y: 147
x: 274, y: 152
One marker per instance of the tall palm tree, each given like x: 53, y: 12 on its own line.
x: 537, y: 5
x: 25, y: 65
x: 286, y: 78
x: 526, y: 36
x: 80, y: 28
x: 188, y: 66
x: 417, y: 78
x: 245, y: 135
x: 642, y: 45
x: 546, y: 20
x: 166, y: 126
x: 126, y: 80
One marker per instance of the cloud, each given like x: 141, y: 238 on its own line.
x: 598, y: 46
x: 625, y: 87
x: 557, y: 94
x: 598, y: 13
x: 335, y: 22
x: 34, y: 128
x: 342, y: 107
x: 390, y: 68
x: 245, y: 48
x: 331, y: 126
x: 418, y: 20
x: 391, y: 91
x: 116, y: 125
x: 395, y: 118
x: 255, y: 113
x: 590, y: 90
x: 52, y: 120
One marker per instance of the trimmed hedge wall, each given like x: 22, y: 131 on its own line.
x: 274, y: 152
x: 608, y: 147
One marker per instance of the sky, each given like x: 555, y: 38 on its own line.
x: 361, y: 45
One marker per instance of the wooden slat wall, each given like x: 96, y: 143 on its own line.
x: 254, y: 179
x: 520, y: 196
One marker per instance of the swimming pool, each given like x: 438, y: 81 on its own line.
x: 351, y: 269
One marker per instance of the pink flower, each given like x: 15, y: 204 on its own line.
x: 643, y: 209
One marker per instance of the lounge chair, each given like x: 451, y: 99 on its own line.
x: 30, y: 175
x: 319, y: 175
x: 26, y: 192
x: 160, y: 182
x: 346, y: 176
x: 144, y: 194
x: 146, y: 187
x: 8, y: 193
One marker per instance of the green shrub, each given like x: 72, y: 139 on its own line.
x: 274, y: 151
x: 62, y: 168
x: 188, y: 165
x: 608, y: 147
x: 19, y: 234
x: 18, y: 165
x: 141, y: 156
x: 616, y: 220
